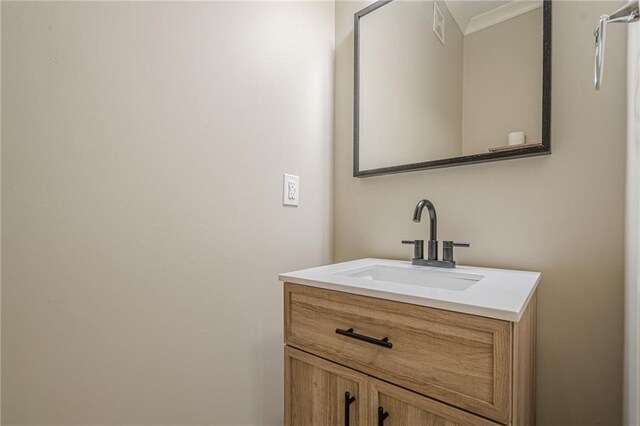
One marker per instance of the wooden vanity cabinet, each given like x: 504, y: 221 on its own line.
x: 421, y: 365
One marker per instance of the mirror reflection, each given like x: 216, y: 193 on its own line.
x: 447, y: 79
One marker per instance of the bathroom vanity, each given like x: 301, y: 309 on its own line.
x: 383, y: 342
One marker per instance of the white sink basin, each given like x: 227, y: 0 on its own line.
x: 493, y: 293
x: 427, y: 277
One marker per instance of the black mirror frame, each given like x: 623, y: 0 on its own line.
x: 543, y: 149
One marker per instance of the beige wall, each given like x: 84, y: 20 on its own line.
x: 560, y: 214
x: 502, y: 83
x: 410, y: 86
x: 0, y: 223
x: 143, y: 146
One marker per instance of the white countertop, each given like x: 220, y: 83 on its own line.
x: 494, y: 293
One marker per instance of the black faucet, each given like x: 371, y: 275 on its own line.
x: 432, y: 245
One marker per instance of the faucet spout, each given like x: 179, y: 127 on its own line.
x: 433, y: 221
x: 433, y: 226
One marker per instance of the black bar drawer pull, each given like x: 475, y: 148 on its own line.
x: 380, y: 342
x: 381, y: 416
x: 348, y: 400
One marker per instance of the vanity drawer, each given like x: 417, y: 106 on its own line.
x: 460, y: 359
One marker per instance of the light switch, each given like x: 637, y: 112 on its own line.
x: 290, y: 190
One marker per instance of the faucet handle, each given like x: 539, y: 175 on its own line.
x: 447, y: 249
x: 460, y: 244
x: 418, y: 248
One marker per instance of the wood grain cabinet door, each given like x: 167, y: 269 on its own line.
x: 390, y: 405
x: 321, y: 393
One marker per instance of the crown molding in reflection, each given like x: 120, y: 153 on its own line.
x: 470, y: 24
x: 460, y: 14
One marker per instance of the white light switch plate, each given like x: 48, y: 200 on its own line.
x: 290, y: 190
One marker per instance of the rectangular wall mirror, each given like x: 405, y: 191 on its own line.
x: 450, y: 82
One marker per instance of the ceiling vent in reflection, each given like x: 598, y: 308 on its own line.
x: 438, y: 23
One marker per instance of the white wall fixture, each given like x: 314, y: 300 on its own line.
x: 438, y: 23
x: 290, y: 190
